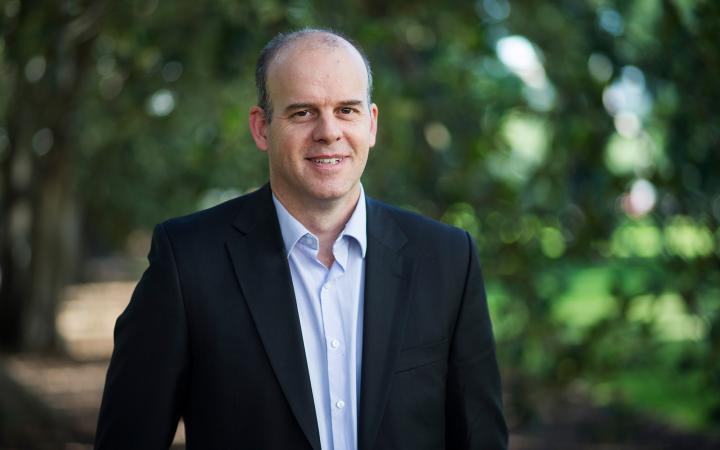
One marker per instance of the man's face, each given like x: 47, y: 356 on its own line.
x: 322, y: 128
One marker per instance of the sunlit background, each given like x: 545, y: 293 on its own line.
x: 578, y: 141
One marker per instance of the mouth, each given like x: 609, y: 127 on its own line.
x: 326, y: 160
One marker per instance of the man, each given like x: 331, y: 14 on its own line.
x: 305, y: 315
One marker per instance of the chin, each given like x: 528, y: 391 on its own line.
x: 329, y: 194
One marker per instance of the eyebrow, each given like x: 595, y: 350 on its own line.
x: 351, y: 102
x: 295, y: 106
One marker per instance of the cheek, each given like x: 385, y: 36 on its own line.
x: 292, y: 142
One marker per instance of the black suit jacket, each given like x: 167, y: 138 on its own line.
x: 212, y: 335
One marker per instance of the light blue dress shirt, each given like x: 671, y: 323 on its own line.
x: 330, y: 305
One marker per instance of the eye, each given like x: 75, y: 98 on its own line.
x: 303, y: 115
x: 347, y: 110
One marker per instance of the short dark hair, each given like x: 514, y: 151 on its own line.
x: 280, y: 41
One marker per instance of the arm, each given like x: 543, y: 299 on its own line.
x: 147, y: 377
x: 474, y: 418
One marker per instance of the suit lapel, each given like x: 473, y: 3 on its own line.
x: 262, y: 269
x: 387, y: 289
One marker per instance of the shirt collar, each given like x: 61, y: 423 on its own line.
x: 292, y: 230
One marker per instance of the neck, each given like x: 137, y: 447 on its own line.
x: 324, y: 219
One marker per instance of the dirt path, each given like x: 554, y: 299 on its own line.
x: 72, y: 386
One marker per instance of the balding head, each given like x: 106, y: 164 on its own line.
x: 309, y: 38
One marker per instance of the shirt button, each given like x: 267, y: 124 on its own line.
x: 334, y: 343
x: 340, y: 404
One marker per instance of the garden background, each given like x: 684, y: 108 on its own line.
x: 578, y: 141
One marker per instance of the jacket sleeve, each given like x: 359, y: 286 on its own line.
x: 146, y: 381
x: 474, y: 417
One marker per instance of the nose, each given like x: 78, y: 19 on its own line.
x: 327, y: 129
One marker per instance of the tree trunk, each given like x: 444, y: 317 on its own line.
x: 55, y: 242
x: 38, y: 214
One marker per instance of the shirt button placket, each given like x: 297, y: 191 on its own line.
x: 335, y: 358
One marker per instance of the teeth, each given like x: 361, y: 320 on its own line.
x: 326, y: 160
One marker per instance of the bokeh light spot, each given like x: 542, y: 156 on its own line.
x: 625, y: 156
x: 496, y: 9
x: 636, y: 238
x: 628, y: 93
x: 161, y: 103
x: 688, y: 239
x: 611, y: 21
x: 519, y: 55
x: 641, y: 199
x: 42, y: 141
x: 438, y: 136
x: 552, y: 242
x: 172, y: 71
x: 35, y: 68
x: 627, y: 124
x: 600, y: 67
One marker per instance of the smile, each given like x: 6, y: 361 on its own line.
x: 327, y: 161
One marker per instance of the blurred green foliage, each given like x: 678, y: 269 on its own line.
x: 577, y: 141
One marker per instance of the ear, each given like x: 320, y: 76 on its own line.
x: 258, y: 127
x: 373, y: 124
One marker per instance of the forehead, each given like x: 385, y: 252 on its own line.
x: 317, y: 65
